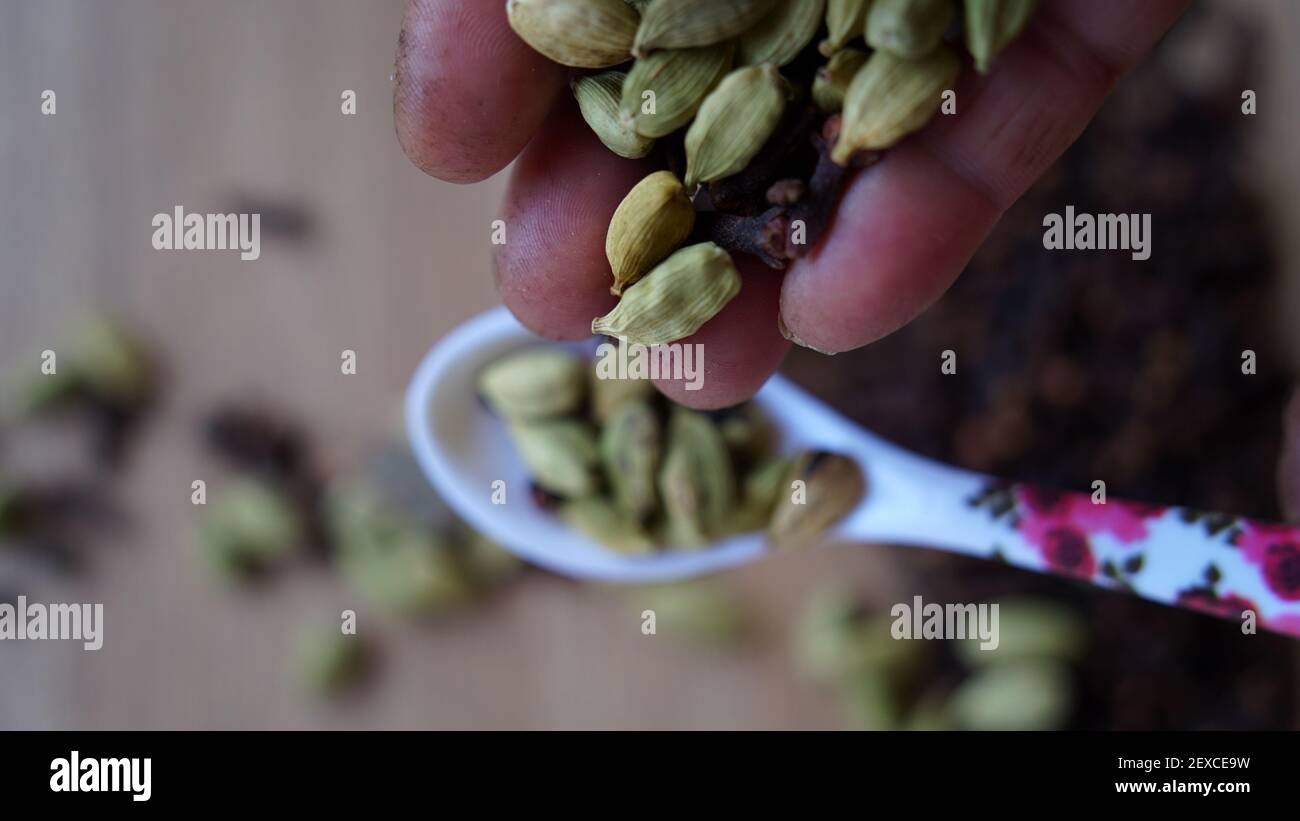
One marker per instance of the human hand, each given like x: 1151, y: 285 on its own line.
x: 471, y: 97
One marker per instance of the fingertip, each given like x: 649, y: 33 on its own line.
x: 468, y: 93
x: 903, y: 232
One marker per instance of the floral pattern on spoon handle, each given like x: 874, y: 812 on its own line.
x: 1212, y: 562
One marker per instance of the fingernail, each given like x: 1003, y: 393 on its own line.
x: 785, y: 332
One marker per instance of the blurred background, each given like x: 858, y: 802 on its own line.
x: 229, y: 372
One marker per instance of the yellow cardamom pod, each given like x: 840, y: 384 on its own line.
x: 663, y: 91
x: 890, y: 98
x: 780, y: 36
x: 651, y: 222
x: 908, y: 28
x: 691, y: 23
x: 832, y: 486
x: 733, y: 123
x: 578, y: 33
x: 599, y: 97
x: 561, y: 455
x: 991, y: 25
x: 631, y: 445
x: 534, y: 383
x: 833, y: 79
x: 675, y: 299
x: 845, y: 22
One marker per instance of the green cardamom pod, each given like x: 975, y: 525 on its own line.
x: 832, y: 80
x: 698, y: 481
x: 651, y: 222
x: 845, y: 22
x: 113, y: 363
x: 609, y: 393
x: 760, y: 489
x: 1029, y: 628
x: 691, y: 23
x: 331, y: 663
x: 578, y: 33
x: 679, y: 488
x: 390, y: 557
x: 780, y: 36
x: 702, y: 612
x: 991, y: 25
x: 663, y: 91
x: 832, y: 485
x: 675, y: 299
x: 251, y: 526
x: 733, y: 123
x: 763, y: 485
x: 484, y: 563
x: 1018, y: 695
x: 561, y: 455
x: 908, y: 28
x: 631, y: 445
x: 748, y: 435
x: 890, y: 98
x: 534, y: 383
x: 605, y: 524
x: 599, y: 97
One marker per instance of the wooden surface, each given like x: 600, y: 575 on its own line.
x: 193, y: 102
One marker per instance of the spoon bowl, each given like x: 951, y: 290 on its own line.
x: 1159, y: 553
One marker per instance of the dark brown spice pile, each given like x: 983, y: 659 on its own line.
x: 1076, y: 366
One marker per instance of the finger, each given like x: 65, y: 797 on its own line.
x: 739, y: 348
x: 908, y: 225
x: 469, y: 94
x: 553, y: 274
x: 552, y: 270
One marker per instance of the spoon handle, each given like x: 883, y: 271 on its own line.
x: 1215, y: 563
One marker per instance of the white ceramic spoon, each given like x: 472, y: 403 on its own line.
x: 1220, y: 564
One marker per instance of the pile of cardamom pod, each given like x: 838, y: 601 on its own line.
x: 756, y: 124
x: 622, y: 464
